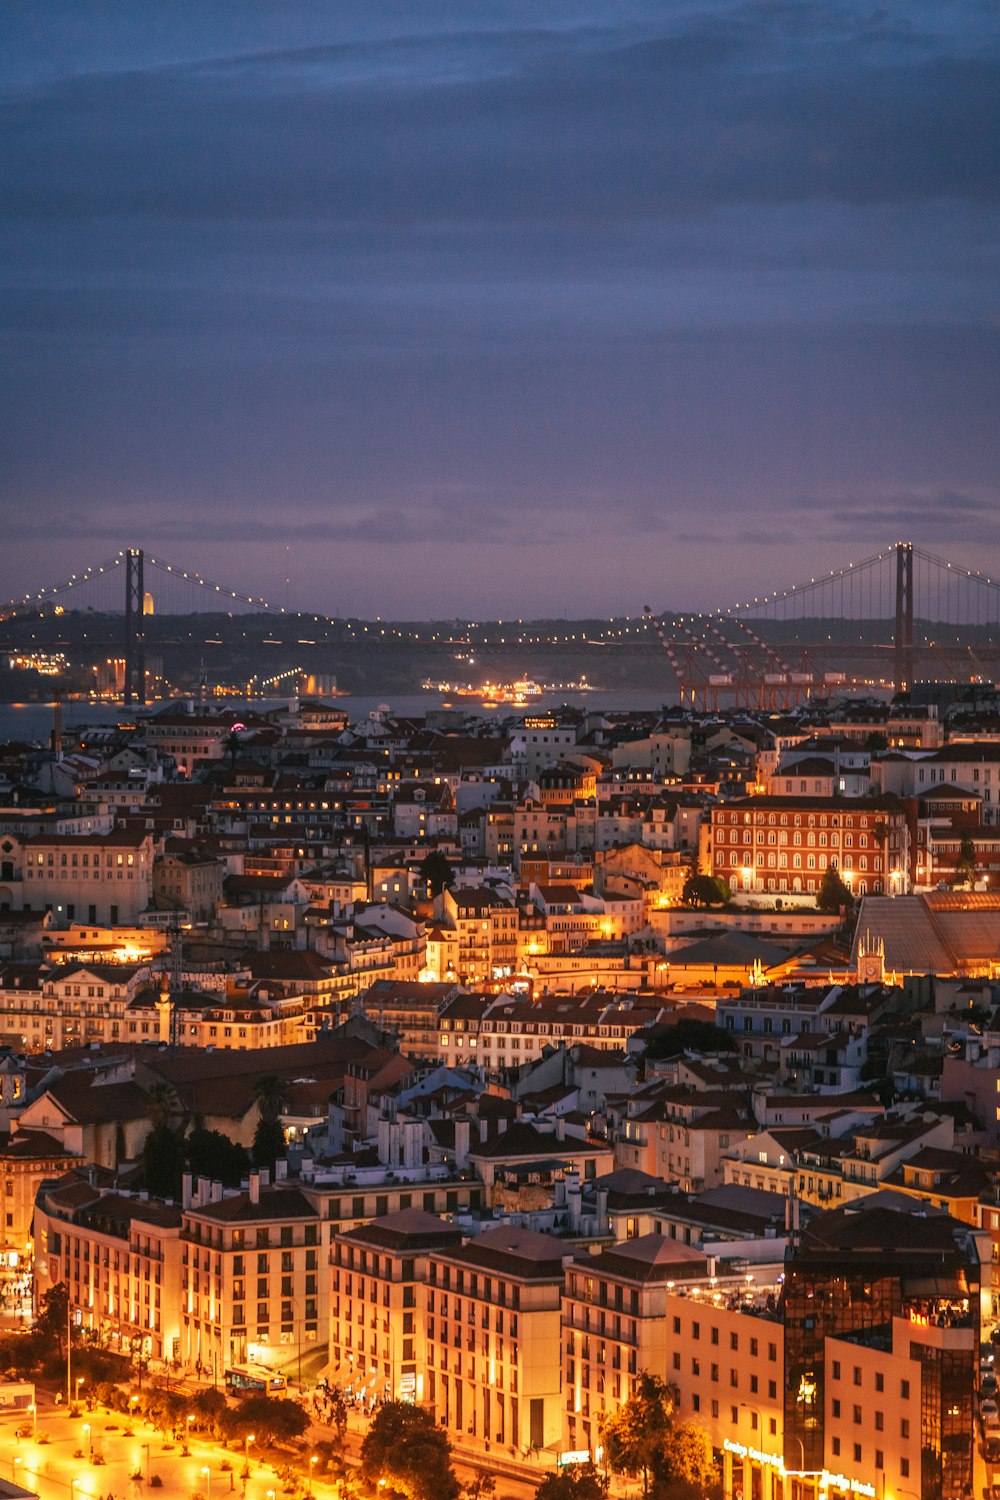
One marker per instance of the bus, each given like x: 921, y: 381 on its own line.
x: 239, y: 1378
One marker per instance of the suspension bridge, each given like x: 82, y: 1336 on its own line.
x: 899, y: 616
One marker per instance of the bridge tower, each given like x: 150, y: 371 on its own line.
x: 135, y: 634
x: 903, y: 637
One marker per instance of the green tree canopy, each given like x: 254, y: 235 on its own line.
x: 162, y: 1159
x: 704, y: 890
x: 404, y: 1448
x: 268, y: 1143
x: 574, y: 1482
x: 53, y: 1311
x: 833, y: 893
x: 636, y: 1436
x: 689, y: 1036
x: 271, y: 1419
x: 211, y: 1154
x: 966, y: 866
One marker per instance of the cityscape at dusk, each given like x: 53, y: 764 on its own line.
x: 500, y: 750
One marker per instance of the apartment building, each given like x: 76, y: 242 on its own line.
x: 615, y: 1327
x: 682, y: 1133
x: 106, y: 878
x: 28, y: 1158
x: 253, y: 1275
x: 493, y: 1310
x: 378, y: 1331
x: 49, y: 1007
x: 485, y: 922
x: 121, y: 1255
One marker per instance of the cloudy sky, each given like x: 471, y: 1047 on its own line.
x: 500, y: 306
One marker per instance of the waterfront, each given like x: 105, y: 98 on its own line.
x: 33, y: 721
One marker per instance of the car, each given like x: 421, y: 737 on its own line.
x: 988, y: 1385
x: 989, y: 1411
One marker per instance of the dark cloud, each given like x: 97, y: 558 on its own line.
x: 506, y: 290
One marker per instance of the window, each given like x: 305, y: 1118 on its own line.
x: 904, y: 1390
x: 879, y: 1381
x: 836, y: 1369
x: 857, y: 1453
x: 879, y: 1459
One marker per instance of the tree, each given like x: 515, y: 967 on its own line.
x: 338, y: 1413
x: 405, y: 1449
x: 635, y: 1437
x: 211, y: 1154
x: 704, y: 890
x: 965, y: 869
x: 833, y: 893
x: 268, y: 1143
x: 574, y: 1482
x: 271, y: 1419
x: 688, y: 1459
x: 53, y: 1313
x: 482, y: 1486
x: 162, y: 1158
x: 269, y: 1136
x: 689, y: 1036
x: 436, y: 873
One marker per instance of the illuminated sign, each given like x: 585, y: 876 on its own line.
x: 574, y: 1456
x: 850, y: 1486
x: 740, y: 1450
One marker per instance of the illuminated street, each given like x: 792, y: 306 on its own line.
x: 51, y: 1467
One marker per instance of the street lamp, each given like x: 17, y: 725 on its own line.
x: 33, y: 1408
x: 312, y: 1470
x: 208, y: 1480
x: 79, y: 1382
x: 247, y: 1440
x: 90, y: 1442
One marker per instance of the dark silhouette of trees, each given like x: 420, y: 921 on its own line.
x: 436, y: 872
x: 833, y: 893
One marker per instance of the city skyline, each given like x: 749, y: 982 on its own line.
x: 557, y: 302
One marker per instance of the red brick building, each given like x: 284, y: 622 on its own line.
x: 783, y: 846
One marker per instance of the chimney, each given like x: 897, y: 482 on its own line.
x: 502, y: 1125
x: 602, y: 1211
x: 254, y: 1187
x: 186, y: 1193
x: 281, y: 1169
x: 216, y: 1192
x: 203, y: 1192
x: 265, y: 1176
x: 463, y: 1131
x: 574, y: 1200
x: 560, y: 1128
x: 482, y: 1132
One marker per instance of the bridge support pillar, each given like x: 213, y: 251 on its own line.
x: 135, y: 640
x: 903, y: 638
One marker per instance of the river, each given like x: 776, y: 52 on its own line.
x: 33, y: 721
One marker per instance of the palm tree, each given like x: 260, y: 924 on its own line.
x: 269, y: 1094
